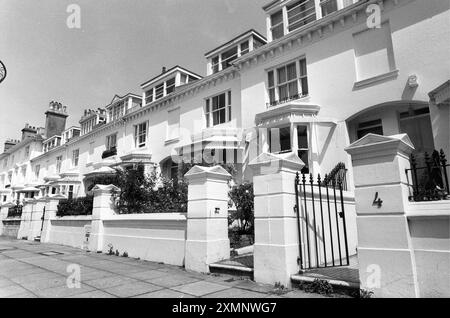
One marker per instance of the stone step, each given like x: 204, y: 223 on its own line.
x: 239, y: 271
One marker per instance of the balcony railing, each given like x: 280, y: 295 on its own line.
x: 15, y: 211
x: 285, y: 100
x: 109, y: 153
x: 429, y: 182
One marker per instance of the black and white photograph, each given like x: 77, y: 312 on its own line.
x: 257, y: 153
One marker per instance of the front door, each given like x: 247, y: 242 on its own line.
x: 417, y: 124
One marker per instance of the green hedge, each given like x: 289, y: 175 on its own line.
x: 74, y: 207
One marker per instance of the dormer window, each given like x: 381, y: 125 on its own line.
x: 222, y: 57
x: 328, y: 6
x: 277, y: 25
x: 165, y: 84
x: 287, y: 16
x: 117, y: 111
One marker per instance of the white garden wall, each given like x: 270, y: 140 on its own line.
x: 69, y: 230
x: 152, y: 237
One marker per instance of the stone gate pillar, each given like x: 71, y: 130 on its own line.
x: 276, y: 248
x: 103, y: 207
x: 51, y: 207
x: 207, y: 218
x: 3, y: 215
x: 385, y: 254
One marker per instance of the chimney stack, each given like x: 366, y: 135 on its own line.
x: 9, y: 143
x: 55, y: 122
x: 164, y: 69
x: 28, y: 132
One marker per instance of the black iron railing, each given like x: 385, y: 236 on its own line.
x: 15, y: 211
x: 322, y: 229
x: 430, y: 181
x: 285, y: 100
x: 109, y: 153
x: 338, y: 174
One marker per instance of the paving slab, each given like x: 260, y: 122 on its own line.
x: 235, y: 293
x: 200, y: 288
x: 11, y: 290
x: 24, y: 273
x: 172, y: 280
x: 93, y: 294
x: 147, y: 275
x: 63, y: 291
x: 133, y: 289
x: 165, y: 293
x: 108, y: 282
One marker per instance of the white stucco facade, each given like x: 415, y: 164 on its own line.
x: 349, y: 83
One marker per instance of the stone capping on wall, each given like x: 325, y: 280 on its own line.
x: 290, y: 160
x: 428, y: 209
x: 216, y: 172
x: 173, y: 216
x: 372, y: 144
x: 73, y: 218
x: 101, y: 189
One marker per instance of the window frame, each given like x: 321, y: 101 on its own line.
x: 301, y: 80
x: 209, y: 112
x: 58, y: 164
x: 37, y: 170
x: 75, y: 157
x: 108, y: 141
x: 138, y: 134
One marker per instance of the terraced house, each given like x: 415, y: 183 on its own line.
x: 326, y: 74
x: 318, y: 81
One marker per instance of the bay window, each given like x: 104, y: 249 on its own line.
x: 280, y: 140
x: 287, y: 82
x: 140, y: 135
x: 218, y: 109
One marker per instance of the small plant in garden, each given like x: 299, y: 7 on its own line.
x: 365, y: 293
x: 125, y: 254
x: 242, y: 220
x: 117, y: 253
x: 318, y: 286
x: 279, y: 289
x: 110, y: 249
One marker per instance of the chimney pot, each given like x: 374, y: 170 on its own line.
x: 164, y: 69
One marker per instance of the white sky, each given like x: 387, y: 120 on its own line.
x: 120, y: 45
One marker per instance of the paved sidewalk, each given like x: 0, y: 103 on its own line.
x: 30, y: 269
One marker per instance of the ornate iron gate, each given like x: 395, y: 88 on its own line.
x: 322, y: 230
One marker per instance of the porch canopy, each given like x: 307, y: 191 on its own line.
x: 220, y: 144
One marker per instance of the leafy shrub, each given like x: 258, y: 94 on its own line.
x: 365, y: 293
x: 243, y: 218
x: 279, y: 289
x: 111, y: 249
x: 74, y: 207
x: 142, y: 193
x: 318, y: 286
x: 125, y: 254
x: 103, y: 180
